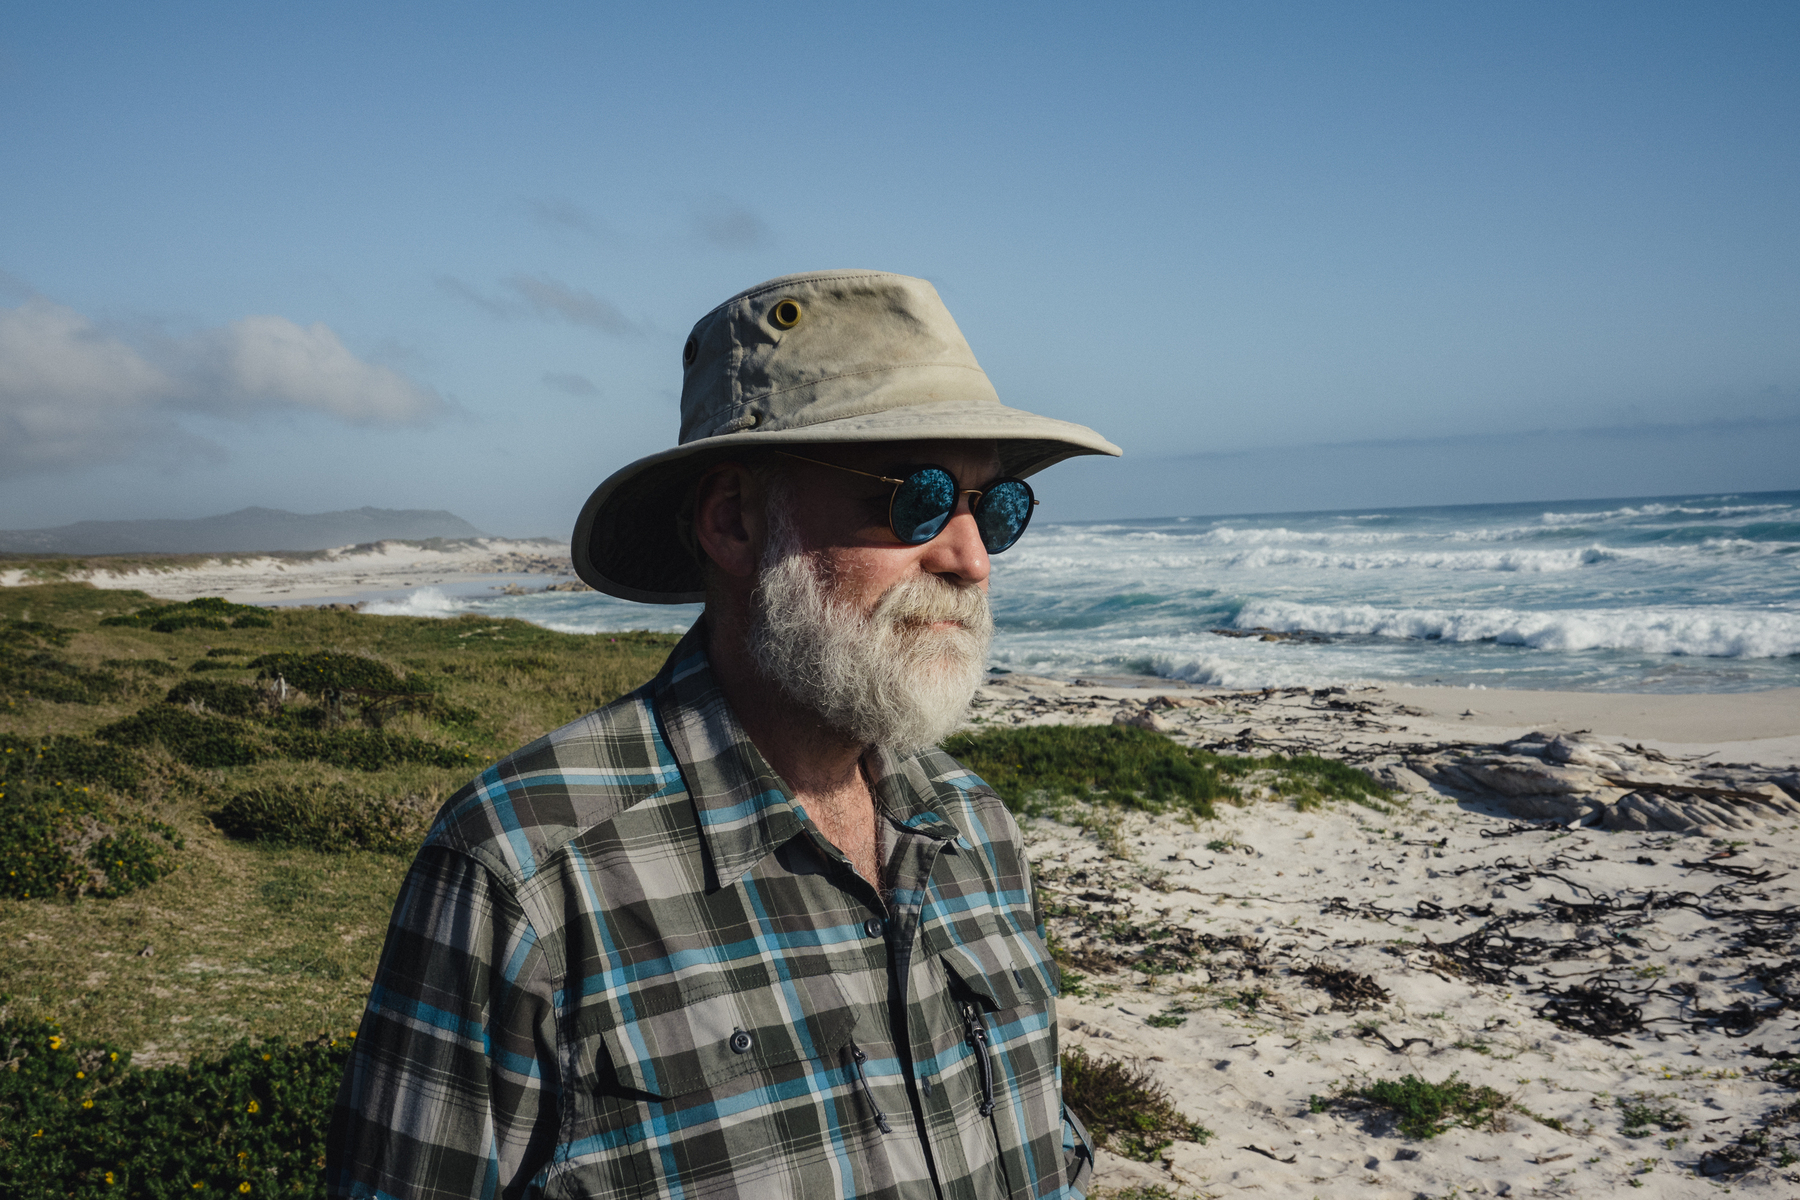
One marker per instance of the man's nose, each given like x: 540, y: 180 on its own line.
x: 957, y: 552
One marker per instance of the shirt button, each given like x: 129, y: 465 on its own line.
x: 925, y: 1086
x: 872, y: 927
x: 740, y: 1041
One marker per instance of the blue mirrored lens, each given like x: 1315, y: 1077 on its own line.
x: 923, y: 504
x: 1003, y: 513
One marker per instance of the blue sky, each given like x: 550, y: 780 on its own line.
x: 326, y: 255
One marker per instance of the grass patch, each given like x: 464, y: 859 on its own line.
x: 1038, y: 769
x: 1423, y: 1109
x: 258, y: 933
x: 1035, y: 767
x: 80, y: 1120
x: 1124, y: 1108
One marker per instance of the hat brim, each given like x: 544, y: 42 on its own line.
x: 626, y: 542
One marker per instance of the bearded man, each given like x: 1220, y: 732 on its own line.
x: 746, y: 932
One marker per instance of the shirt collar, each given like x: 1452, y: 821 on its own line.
x: 746, y: 811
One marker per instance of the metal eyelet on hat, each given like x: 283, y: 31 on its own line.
x: 690, y: 352
x: 785, y: 314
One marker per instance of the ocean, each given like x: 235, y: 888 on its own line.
x: 1665, y: 594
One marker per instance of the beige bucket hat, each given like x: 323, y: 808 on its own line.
x: 825, y: 357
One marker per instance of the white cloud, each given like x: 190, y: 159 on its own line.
x: 73, y: 393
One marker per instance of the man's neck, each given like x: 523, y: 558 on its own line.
x: 821, y: 766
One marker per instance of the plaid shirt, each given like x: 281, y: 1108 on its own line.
x: 627, y: 963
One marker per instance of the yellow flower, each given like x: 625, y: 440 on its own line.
x: 109, y: 1178
x: 244, y: 1186
x: 81, y: 1074
x: 253, y: 1107
x: 267, y: 1057
x: 115, y: 1056
x: 87, y: 1103
x: 55, y: 1042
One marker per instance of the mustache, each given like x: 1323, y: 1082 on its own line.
x: 927, y: 600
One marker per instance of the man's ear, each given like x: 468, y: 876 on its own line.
x: 728, y: 518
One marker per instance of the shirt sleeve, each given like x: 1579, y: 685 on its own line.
x: 450, y: 1090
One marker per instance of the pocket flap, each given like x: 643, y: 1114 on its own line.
x: 1015, y: 983
x: 711, y: 1039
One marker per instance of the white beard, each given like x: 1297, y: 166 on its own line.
x: 884, y: 677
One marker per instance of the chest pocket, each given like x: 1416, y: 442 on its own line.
x: 1005, y: 968
x: 707, y: 1034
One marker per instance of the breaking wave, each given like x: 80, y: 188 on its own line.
x: 1705, y: 632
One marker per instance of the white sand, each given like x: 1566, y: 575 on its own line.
x: 1299, y: 886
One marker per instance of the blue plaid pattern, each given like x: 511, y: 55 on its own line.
x: 627, y: 964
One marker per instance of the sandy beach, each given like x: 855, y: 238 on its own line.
x: 1621, y: 977
x: 1581, y: 900
x: 345, y: 571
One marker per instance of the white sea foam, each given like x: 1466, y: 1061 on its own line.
x: 1710, y: 632
x: 426, y: 602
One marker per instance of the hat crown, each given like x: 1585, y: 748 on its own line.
x: 823, y: 346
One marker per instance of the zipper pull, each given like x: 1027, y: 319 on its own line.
x: 858, y: 1058
x: 978, y: 1038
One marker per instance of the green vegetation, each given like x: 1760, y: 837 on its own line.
x: 80, y: 1120
x: 1423, y: 1109
x: 229, y: 869
x: 324, y: 817
x: 1034, y: 767
x: 1039, y: 769
x: 1643, y: 1111
x: 1124, y: 1108
x: 67, y: 840
x: 208, y: 612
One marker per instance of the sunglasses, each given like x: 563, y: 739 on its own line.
x: 924, y: 502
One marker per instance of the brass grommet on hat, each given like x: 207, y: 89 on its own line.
x: 785, y: 314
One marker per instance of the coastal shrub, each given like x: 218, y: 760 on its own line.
x: 324, y: 817
x: 326, y: 673
x: 67, y: 759
x: 335, y: 678
x: 1033, y: 767
x: 207, y: 612
x: 227, y: 652
x: 41, y: 675
x: 196, y: 739
x: 1123, y: 1107
x: 218, y: 695
x: 62, y: 839
x: 81, y: 1121
x: 34, y: 633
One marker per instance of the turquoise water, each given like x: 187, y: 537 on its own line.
x: 1671, y: 594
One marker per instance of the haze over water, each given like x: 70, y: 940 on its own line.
x: 1671, y: 594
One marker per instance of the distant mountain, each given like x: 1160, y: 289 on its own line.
x: 246, y: 530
